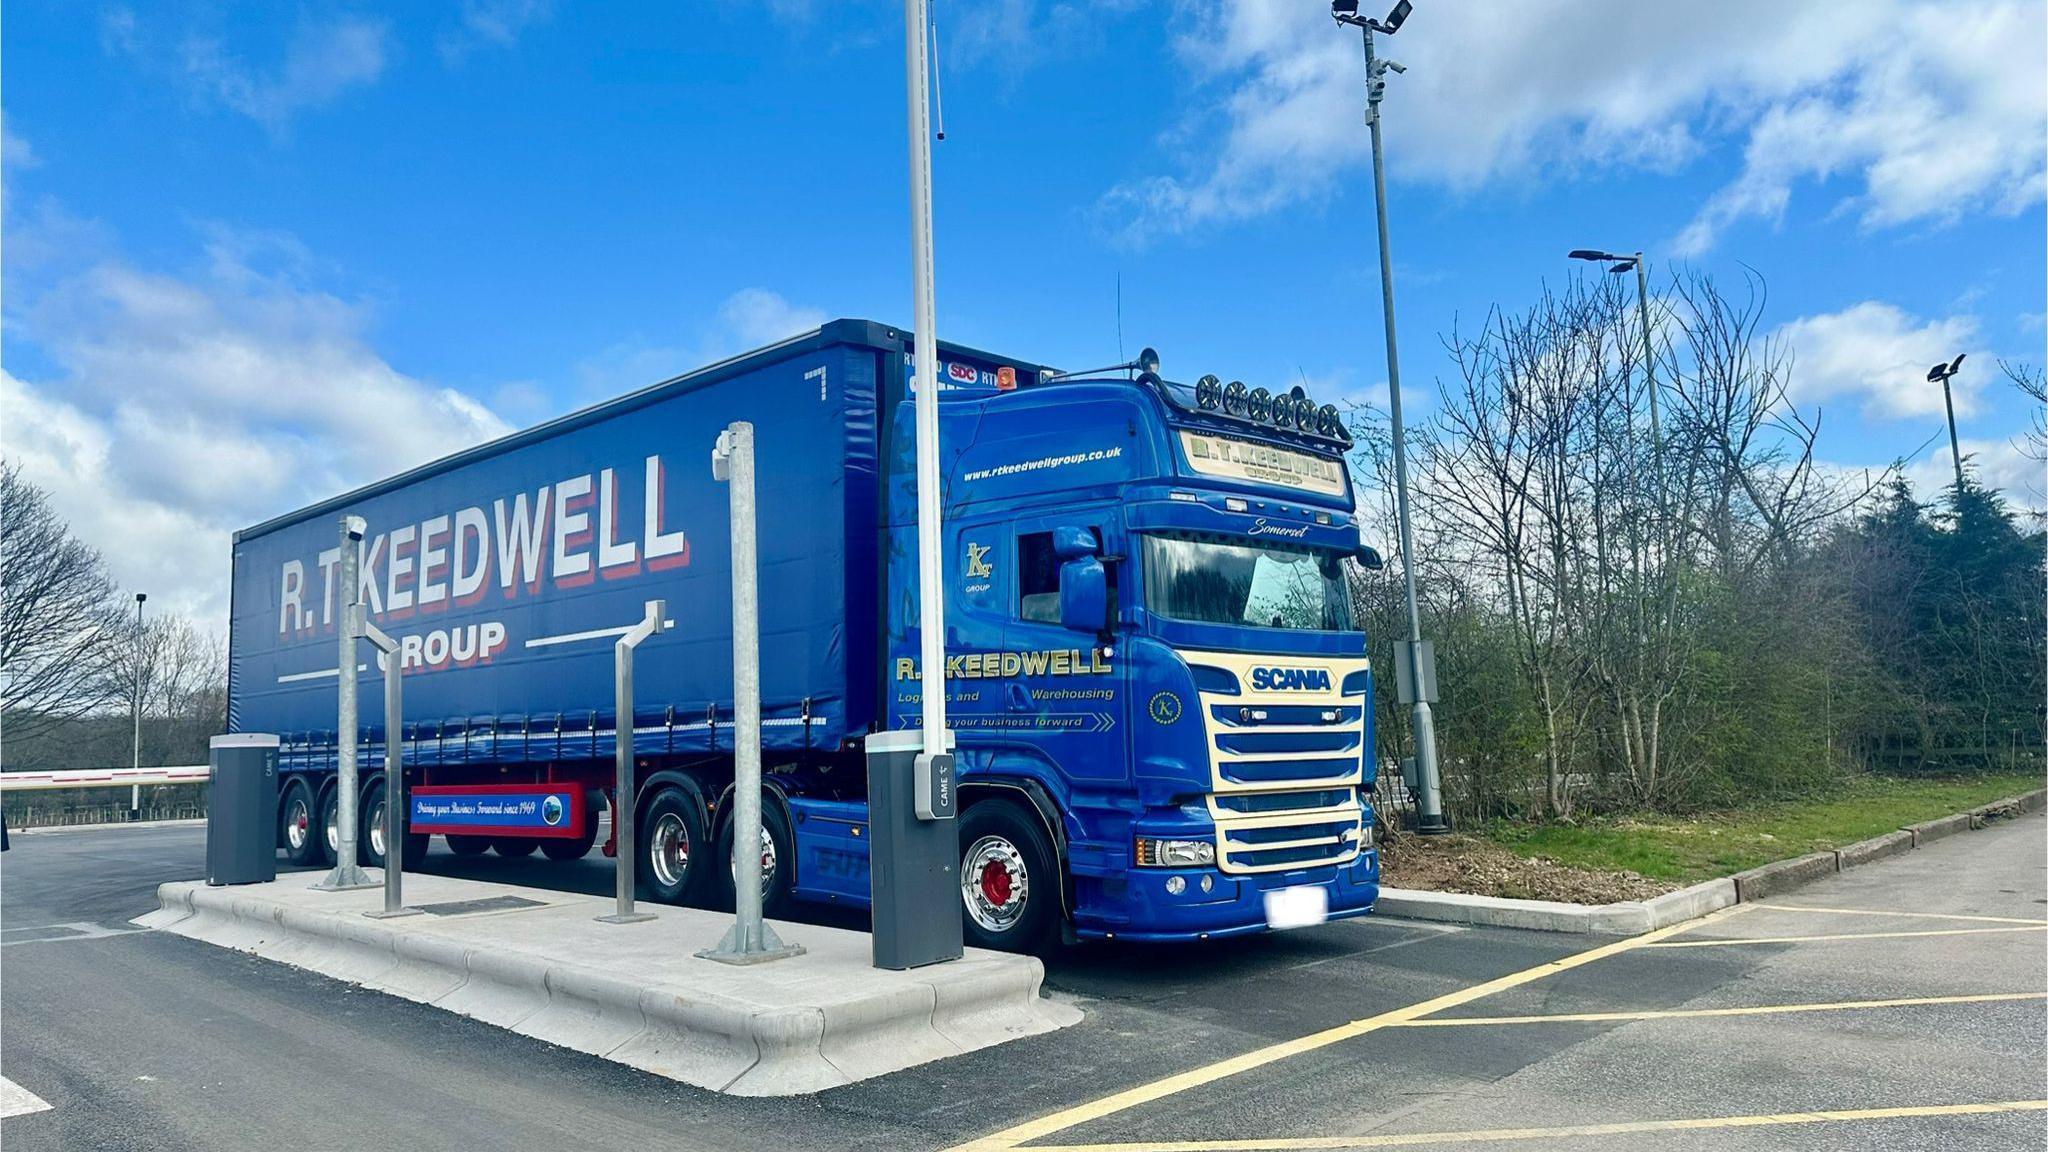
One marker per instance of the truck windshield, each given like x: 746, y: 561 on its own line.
x: 1220, y: 580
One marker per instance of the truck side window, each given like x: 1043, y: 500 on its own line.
x: 1038, y: 579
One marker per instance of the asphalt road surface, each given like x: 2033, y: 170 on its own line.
x: 1902, y: 1005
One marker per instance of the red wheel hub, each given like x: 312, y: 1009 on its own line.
x: 995, y: 883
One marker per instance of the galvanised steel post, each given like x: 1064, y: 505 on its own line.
x: 1429, y: 802
x: 1650, y: 383
x: 136, y: 749
x: 624, y: 799
x: 750, y: 940
x: 394, y: 767
x: 347, y: 875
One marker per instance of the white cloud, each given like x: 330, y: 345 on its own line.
x: 1936, y: 110
x: 491, y: 24
x: 756, y: 316
x: 1877, y: 353
x: 181, y: 408
x: 1996, y: 464
x: 322, y: 61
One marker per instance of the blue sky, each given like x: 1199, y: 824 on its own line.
x: 236, y: 232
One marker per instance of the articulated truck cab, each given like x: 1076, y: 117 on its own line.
x: 1162, y: 706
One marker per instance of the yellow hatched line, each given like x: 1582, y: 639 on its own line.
x: 1841, y: 936
x: 1888, y: 912
x: 1260, y: 1057
x: 1695, y: 1013
x: 1502, y: 1135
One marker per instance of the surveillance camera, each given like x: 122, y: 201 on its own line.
x: 1395, y: 66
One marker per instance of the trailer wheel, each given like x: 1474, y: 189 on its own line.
x: 562, y: 850
x: 298, y: 825
x: 467, y: 845
x: 778, y: 860
x: 1009, y: 888
x: 372, y: 835
x: 513, y: 847
x: 330, y: 827
x: 671, y: 840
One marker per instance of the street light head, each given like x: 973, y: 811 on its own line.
x: 1395, y: 19
x: 1588, y: 254
x: 1958, y: 364
x: 141, y: 596
x: 1622, y: 267
x: 1939, y: 373
x: 1339, y: 9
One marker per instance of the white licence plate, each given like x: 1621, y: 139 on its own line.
x: 1297, y: 907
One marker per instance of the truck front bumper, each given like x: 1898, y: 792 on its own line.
x: 1232, y: 906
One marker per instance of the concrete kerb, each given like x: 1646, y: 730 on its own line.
x: 588, y: 1011
x: 689, y: 1040
x: 977, y: 1012
x: 1633, y: 917
x: 1928, y: 831
x: 503, y: 988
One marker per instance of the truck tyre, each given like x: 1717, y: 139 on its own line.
x: 1009, y: 886
x: 560, y: 849
x: 778, y: 861
x: 670, y: 843
x: 467, y: 845
x: 330, y: 827
x: 513, y: 847
x: 372, y: 835
x: 298, y: 826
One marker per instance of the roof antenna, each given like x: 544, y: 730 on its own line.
x: 938, y: 100
x: 1119, y: 314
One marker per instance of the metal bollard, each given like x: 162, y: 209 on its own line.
x: 394, y: 767
x: 347, y: 875
x: 655, y: 620
x: 750, y: 940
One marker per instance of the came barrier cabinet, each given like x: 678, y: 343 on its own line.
x: 913, y: 862
x: 241, y: 809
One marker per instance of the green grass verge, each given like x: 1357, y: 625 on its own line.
x: 1690, y: 849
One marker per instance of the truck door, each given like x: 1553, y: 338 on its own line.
x: 1066, y: 696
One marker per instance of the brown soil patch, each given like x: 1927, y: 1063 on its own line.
x: 1459, y: 863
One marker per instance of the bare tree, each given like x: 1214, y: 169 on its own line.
x: 57, y: 613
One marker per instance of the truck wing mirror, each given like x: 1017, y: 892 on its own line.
x: 1369, y: 558
x: 1072, y: 543
x: 1084, y: 595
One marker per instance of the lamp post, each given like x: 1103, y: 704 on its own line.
x: 1941, y: 373
x: 1429, y: 816
x: 1617, y: 265
x: 135, y: 747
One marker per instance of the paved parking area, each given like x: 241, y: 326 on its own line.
x: 1903, y: 1005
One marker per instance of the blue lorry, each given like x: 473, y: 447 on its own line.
x: 1163, y: 707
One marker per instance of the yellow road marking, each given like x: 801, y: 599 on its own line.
x: 1498, y: 1135
x: 1693, y: 1013
x: 1259, y: 1057
x: 1916, y: 915
x: 1840, y: 936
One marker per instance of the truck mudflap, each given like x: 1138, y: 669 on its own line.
x: 542, y: 811
x: 1228, y: 906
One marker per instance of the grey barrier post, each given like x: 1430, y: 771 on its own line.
x: 750, y: 940
x: 394, y: 767
x: 655, y: 619
x: 347, y: 875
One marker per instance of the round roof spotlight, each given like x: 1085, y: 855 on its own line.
x: 1304, y: 412
x: 1259, y: 405
x: 1208, y: 393
x: 1327, y: 421
x: 1234, y: 400
x: 1147, y: 361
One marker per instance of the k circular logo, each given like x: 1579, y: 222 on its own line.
x: 1165, y: 708
x: 551, y: 811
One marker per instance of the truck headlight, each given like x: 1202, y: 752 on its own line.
x: 1174, y: 853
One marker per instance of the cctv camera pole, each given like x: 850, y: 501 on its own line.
x: 346, y: 874
x: 1429, y: 812
x: 395, y: 801
x: 931, y: 618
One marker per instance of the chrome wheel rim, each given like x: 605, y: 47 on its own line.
x: 377, y: 829
x: 994, y: 884
x: 298, y: 826
x: 767, y: 864
x: 334, y: 833
x: 668, y: 850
